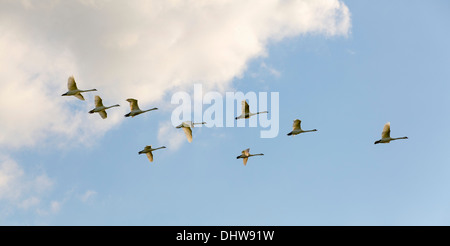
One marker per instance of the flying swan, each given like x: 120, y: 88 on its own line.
x: 100, y: 109
x: 135, y: 110
x: 245, y: 155
x: 386, y: 135
x: 186, y: 126
x: 297, y: 129
x: 148, y: 151
x: 246, y: 111
x: 73, y: 90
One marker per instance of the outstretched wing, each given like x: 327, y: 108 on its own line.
x: 133, y: 104
x: 98, y: 102
x: 71, y: 85
x: 296, y: 125
x: 103, y: 114
x: 245, y: 160
x: 150, y: 156
x: 188, y: 132
x: 245, y: 107
x: 386, y: 131
x: 79, y: 96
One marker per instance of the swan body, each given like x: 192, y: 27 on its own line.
x: 245, y: 114
x: 148, y: 151
x: 100, y: 109
x: 73, y: 90
x: 245, y: 155
x: 187, y: 128
x: 297, y: 129
x: 135, y: 110
x: 386, y: 135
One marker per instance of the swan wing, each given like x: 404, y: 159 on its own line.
x: 133, y: 104
x: 188, y: 132
x: 150, y: 156
x: 245, y: 107
x: 296, y: 125
x: 245, y: 160
x: 386, y: 131
x: 71, y: 85
x: 103, y: 114
x: 79, y: 96
x: 98, y: 102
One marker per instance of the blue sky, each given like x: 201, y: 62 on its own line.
x: 392, y: 66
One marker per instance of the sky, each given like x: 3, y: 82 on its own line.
x: 344, y: 68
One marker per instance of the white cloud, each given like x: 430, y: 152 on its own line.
x: 273, y: 71
x: 29, y: 202
x: 88, y: 195
x: 10, y: 174
x: 139, y: 49
x: 270, y: 69
x: 21, y: 188
x: 55, y: 206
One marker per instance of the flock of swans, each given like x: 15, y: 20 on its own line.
x: 188, y: 125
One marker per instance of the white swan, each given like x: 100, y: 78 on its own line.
x: 245, y: 155
x: 386, y: 135
x: 246, y: 111
x: 186, y: 126
x: 135, y: 110
x: 148, y: 151
x: 73, y: 90
x: 100, y: 109
x: 297, y: 129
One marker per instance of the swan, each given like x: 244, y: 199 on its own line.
x: 386, y: 135
x: 296, y: 128
x: 73, y: 90
x: 135, y: 110
x: 186, y: 126
x: 246, y: 111
x: 245, y: 155
x: 148, y: 151
x: 100, y: 109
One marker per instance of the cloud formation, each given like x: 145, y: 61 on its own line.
x: 89, y: 194
x: 139, y: 49
x: 19, y: 187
